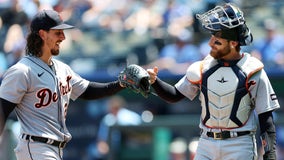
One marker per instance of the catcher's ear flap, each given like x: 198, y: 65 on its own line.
x: 245, y: 35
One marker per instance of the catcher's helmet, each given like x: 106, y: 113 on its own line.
x: 228, y: 19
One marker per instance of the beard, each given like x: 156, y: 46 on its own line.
x: 218, y: 54
x: 55, y: 52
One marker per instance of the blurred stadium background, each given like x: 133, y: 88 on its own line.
x: 109, y: 35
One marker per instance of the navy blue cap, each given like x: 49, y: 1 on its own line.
x: 48, y: 19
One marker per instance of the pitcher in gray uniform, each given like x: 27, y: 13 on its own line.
x: 39, y: 88
x: 233, y: 89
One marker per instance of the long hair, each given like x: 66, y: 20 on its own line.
x: 34, y: 44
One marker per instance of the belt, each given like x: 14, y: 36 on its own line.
x: 45, y: 140
x: 226, y: 134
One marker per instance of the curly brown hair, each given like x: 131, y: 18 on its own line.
x: 34, y: 44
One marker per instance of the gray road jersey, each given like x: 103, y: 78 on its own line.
x: 261, y: 94
x: 42, y: 95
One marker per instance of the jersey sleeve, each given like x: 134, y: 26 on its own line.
x: 186, y: 88
x: 14, y: 84
x: 265, y: 97
x: 79, y: 85
x: 188, y: 85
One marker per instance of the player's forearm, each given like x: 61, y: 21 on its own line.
x: 2, y: 120
x: 268, y: 135
x: 166, y: 91
x: 6, y: 108
x: 97, y: 90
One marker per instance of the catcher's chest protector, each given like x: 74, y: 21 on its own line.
x: 224, y: 96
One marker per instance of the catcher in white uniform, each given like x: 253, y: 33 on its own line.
x: 233, y: 89
x: 39, y: 88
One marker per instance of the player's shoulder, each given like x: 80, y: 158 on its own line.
x: 20, y: 66
x: 59, y: 63
x: 195, y: 70
x: 250, y: 64
x: 62, y: 65
x: 247, y: 58
x: 17, y: 70
x: 54, y: 60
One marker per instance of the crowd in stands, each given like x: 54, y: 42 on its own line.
x: 110, y: 34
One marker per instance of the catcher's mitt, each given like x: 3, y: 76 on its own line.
x: 135, y: 78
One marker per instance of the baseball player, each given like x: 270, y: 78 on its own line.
x: 233, y: 89
x: 38, y: 88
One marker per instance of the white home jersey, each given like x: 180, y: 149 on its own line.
x: 229, y: 92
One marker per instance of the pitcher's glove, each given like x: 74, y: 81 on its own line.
x: 135, y: 78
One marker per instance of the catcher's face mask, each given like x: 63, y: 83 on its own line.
x: 222, y: 17
x: 228, y: 22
